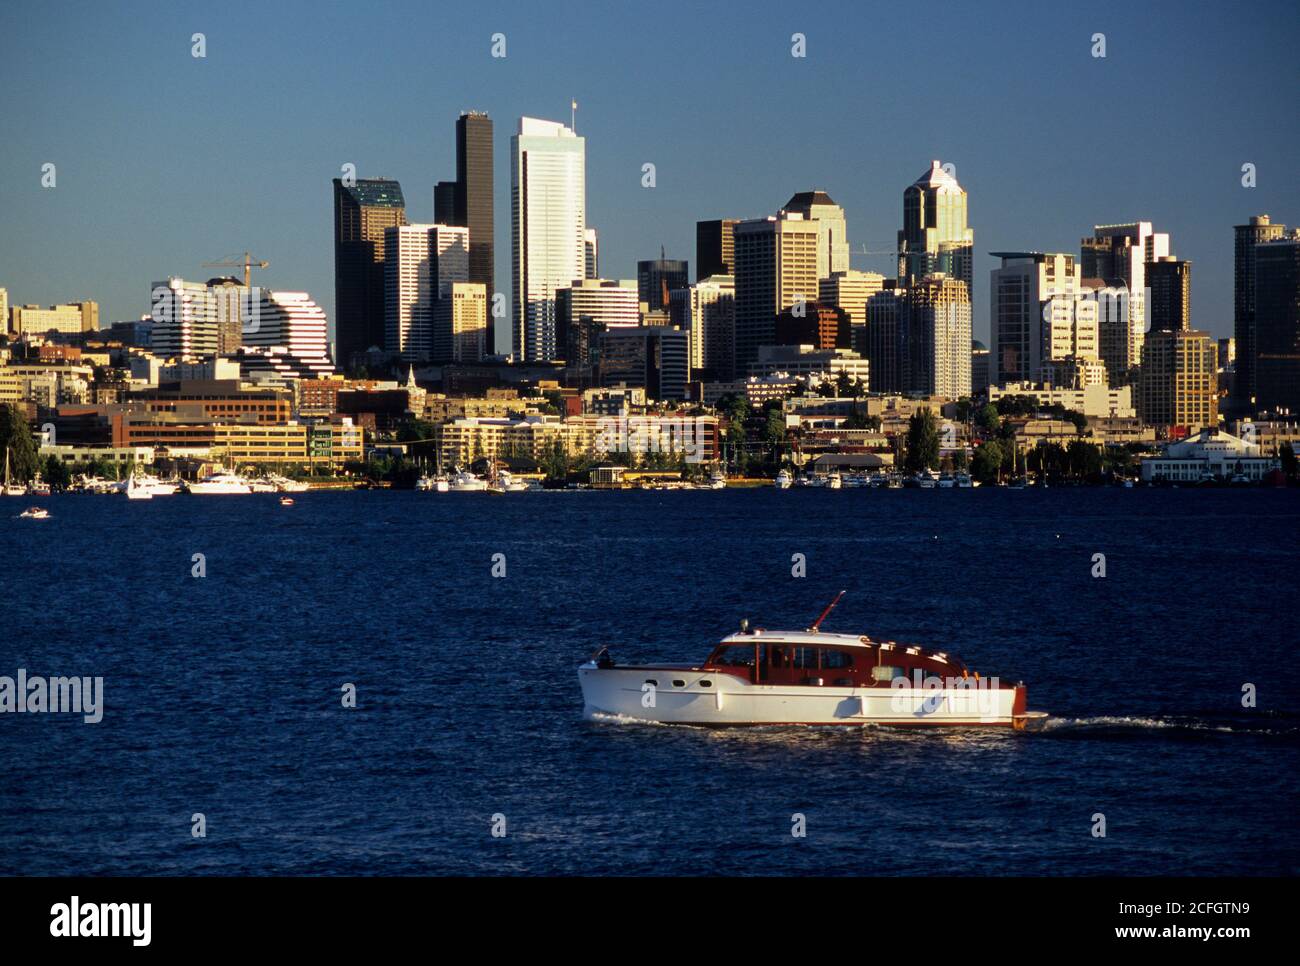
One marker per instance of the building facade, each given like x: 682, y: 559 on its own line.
x: 363, y: 211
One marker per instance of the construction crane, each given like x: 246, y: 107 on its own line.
x: 248, y: 263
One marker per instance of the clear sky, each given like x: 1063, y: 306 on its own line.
x: 164, y: 161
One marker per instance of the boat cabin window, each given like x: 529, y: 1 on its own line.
x: 736, y: 655
x: 834, y: 659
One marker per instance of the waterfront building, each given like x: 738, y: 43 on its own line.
x: 548, y: 229
x: 1210, y: 454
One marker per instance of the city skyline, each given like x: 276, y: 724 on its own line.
x: 1186, y: 138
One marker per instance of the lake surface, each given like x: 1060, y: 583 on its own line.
x: 223, y: 693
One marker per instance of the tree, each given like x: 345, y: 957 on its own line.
x: 922, y: 442
x: 1288, y: 458
x: 16, y: 440
x: 56, y: 473
x: 988, y: 460
x: 987, y: 419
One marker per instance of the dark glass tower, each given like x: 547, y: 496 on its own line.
x: 655, y: 279
x: 1170, y: 282
x: 715, y: 247
x: 1245, y: 237
x: 474, y: 194
x: 362, y: 212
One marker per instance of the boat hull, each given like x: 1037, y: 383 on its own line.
x: 689, y: 695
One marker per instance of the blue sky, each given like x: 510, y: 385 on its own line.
x: 165, y: 161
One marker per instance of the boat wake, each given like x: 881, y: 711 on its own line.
x: 1189, y: 725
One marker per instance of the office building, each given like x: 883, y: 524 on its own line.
x: 654, y: 358
x: 1245, y: 237
x: 1040, y: 312
x: 1170, y: 283
x: 706, y: 311
x: 935, y: 236
x: 588, y: 307
x: 363, y: 211
x: 1118, y: 255
x: 1277, y: 325
x: 460, y: 328
x: 823, y: 327
x: 591, y: 251
x: 1179, y: 380
x: 715, y: 247
x: 776, y: 266
x: 656, y: 278
x: 70, y: 318
x: 832, y: 229
x: 185, y: 319
x: 548, y: 229
x: 935, y: 356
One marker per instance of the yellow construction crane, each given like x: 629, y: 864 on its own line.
x: 248, y: 262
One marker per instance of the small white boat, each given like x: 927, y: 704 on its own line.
x: 964, y: 482
x: 926, y: 480
x: 761, y: 677
x: 135, y: 490
x: 34, y: 513
x: 286, y: 501
x: 717, y: 479
x: 783, y: 480
x: 466, y: 482
x: 285, y: 485
x: 220, y: 484
x: 11, y: 488
x: 834, y: 481
x: 506, y: 483
x: 947, y: 481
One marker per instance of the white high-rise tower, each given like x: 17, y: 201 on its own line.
x: 548, y: 229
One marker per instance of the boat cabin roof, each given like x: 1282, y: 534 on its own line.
x: 760, y: 635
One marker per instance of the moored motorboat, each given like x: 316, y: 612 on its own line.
x: 220, y: 484
x: 783, y: 480
x: 767, y: 677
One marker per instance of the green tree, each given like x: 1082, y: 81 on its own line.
x: 16, y: 440
x: 987, y: 462
x: 922, y: 442
x: 56, y: 473
x: 987, y: 419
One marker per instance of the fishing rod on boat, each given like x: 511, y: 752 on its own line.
x: 829, y: 607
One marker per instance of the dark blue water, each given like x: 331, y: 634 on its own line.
x: 222, y: 694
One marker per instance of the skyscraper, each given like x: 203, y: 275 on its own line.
x: 1170, y: 283
x: 185, y: 319
x: 1245, y: 238
x: 460, y: 323
x: 935, y: 237
x: 935, y: 356
x: 588, y: 307
x: 591, y: 249
x: 715, y: 247
x: 423, y: 263
x: 1178, y: 383
x: 657, y: 277
x: 707, y: 312
x: 1277, y: 324
x: 1040, y: 312
x: 474, y: 194
x: 362, y: 212
x: 832, y: 230
x: 548, y: 229
x: 776, y: 266
x: 1118, y: 255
